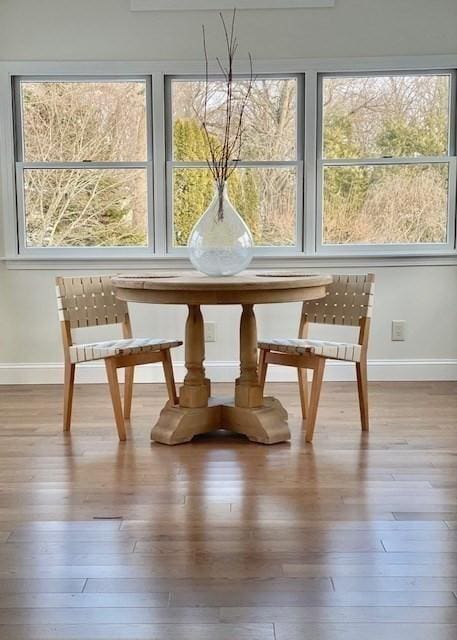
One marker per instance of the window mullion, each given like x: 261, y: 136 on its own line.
x: 452, y: 168
x: 452, y: 199
x: 243, y: 164
x: 311, y: 137
x: 453, y: 115
x: 83, y: 165
x: 160, y: 165
x: 355, y: 162
x: 20, y: 204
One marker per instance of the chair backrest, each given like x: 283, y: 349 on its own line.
x: 89, y: 302
x: 349, y: 299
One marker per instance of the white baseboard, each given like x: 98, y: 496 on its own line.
x: 91, y: 373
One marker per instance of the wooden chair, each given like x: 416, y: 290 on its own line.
x: 349, y: 301
x: 89, y: 302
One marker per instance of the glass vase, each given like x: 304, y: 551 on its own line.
x: 220, y: 243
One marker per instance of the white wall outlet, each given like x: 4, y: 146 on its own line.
x: 398, y: 330
x: 210, y: 331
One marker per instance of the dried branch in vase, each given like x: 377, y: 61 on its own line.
x: 224, y: 155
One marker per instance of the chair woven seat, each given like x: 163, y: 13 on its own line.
x: 328, y: 349
x: 125, y: 347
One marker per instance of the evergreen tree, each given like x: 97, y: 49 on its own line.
x: 193, y: 189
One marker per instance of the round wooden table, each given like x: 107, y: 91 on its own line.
x: 248, y: 412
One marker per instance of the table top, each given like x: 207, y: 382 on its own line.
x: 192, y: 287
x: 193, y: 280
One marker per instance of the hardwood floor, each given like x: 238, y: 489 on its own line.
x: 352, y: 537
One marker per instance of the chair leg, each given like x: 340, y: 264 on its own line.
x: 111, y: 372
x: 316, y: 386
x: 169, y: 377
x: 69, y: 381
x: 128, y: 391
x: 362, y: 387
x: 263, y: 366
x: 303, y: 387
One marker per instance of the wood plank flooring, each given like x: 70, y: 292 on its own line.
x: 352, y: 537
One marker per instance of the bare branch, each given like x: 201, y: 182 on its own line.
x: 224, y: 158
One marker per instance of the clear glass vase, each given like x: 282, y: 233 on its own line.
x: 220, y: 244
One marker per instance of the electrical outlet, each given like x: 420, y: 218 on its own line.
x: 210, y: 331
x: 398, y: 330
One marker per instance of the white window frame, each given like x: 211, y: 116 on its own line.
x: 157, y: 256
x: 296, y: 164
x: 449, y: 159
x: 22, y: 165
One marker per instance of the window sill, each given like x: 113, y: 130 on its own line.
x: 260, y: 262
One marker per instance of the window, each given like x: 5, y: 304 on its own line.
x: 83, y: 163
x: 266, y: 186
x: 332, y: 163
x: 385, y: 161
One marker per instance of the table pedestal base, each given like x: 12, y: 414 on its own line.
x: 266, y: 424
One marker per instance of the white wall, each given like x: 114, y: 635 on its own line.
x: 106, y: 29
x: 424, y: 296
